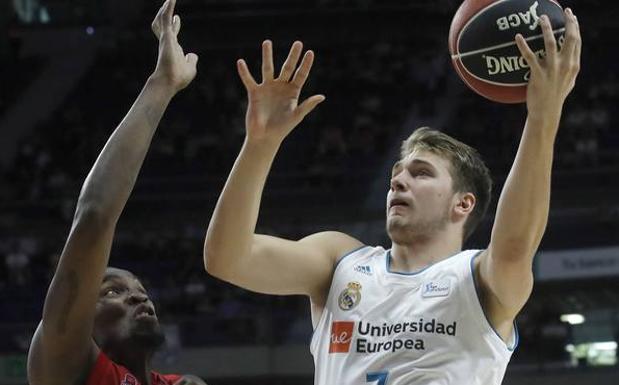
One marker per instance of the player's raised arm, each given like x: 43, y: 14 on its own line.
x: 62, y: 349
x: 522, y: 212
x: 232, y: 250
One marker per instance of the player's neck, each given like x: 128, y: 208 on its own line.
x: 138, y: 362
x: 422, y: 252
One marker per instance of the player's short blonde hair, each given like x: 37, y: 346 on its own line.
x: 468, y: 171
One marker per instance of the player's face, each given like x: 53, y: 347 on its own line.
x: 420, y: 198
x: 125, y: 314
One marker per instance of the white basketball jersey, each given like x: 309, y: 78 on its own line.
x: 426, y: 328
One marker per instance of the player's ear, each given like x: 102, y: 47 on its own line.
x: 465, y: 204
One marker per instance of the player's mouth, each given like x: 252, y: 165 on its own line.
x: 145, y: 312
x: 398, y: 203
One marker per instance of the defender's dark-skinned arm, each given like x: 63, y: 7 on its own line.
x: 62, y: 350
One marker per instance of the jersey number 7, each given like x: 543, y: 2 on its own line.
x: 381, y: 377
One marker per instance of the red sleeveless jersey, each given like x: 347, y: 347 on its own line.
x: 106, y: 372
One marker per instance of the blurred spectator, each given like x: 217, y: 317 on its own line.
x: 31, y: 11
x: 17, y: 262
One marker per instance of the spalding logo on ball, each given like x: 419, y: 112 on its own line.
x: 483, y: 47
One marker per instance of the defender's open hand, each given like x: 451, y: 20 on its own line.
x: 175, y: 68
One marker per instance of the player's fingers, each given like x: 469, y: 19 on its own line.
x: 267, y: 60
x: 567, y: 51
x: 248, y: 80
x: 309, y: 104
x: 176, y: 24
x: 527, y: 53
x: 192, y: 62
x: 192, y: 59
x: 291, y: 61
x: 578, y: 44
x: 169, y: 13
x: 550, y: 43
x: 304, y: 69
x: 156, y: 24
x: 156, y: 29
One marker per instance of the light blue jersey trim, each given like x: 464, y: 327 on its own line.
x: 330, y: 286
x: 347, y: 254
x: 517, y: 336
x: 388, y: 263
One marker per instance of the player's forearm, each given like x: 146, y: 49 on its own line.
x: 110, y: 181
x: 104, y: 193
x: 230, y: 233
x: 522, y: 212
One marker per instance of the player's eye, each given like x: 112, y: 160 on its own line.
x: 422, y: 172
x: 112, y: 292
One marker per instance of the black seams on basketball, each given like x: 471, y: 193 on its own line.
x: 483, y: 48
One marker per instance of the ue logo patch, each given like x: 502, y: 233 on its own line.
x: 341, y: 336
x: 350, y: 297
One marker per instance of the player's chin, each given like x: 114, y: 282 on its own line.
x: 145, y: 325
x: 148, y: 335
x: 395, y: 225
x: 396, y: 221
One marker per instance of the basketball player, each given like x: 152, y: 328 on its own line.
x: 424, y: 311
x: 99, y: 326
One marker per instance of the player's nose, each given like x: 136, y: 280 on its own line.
x: 396, y: 184
x: 137, y: 297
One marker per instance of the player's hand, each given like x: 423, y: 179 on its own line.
x: 174, y: 68
x: 552, y: 77
x: 188, y: 379
x: 273, y: 106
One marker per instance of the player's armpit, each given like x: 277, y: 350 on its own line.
x: 507, y: 284
x: 50, y: 367
x: 280, y: 266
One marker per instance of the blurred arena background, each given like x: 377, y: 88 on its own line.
x: 70, y: 70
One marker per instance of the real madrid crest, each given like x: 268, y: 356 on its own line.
x: 350, y: 297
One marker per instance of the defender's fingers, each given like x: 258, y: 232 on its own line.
x: 550, y: 43
x: 291, y: 61
x: 245, y: 75
x: 527, y: 53
x: 267, y: 60
x: 304, y: 69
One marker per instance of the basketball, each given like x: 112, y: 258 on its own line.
x: 483, y: 48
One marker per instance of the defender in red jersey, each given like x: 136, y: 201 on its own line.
x: 99, y: 326
x: 106, y: 372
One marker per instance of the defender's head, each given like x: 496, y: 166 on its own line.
x: 125, y: 317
